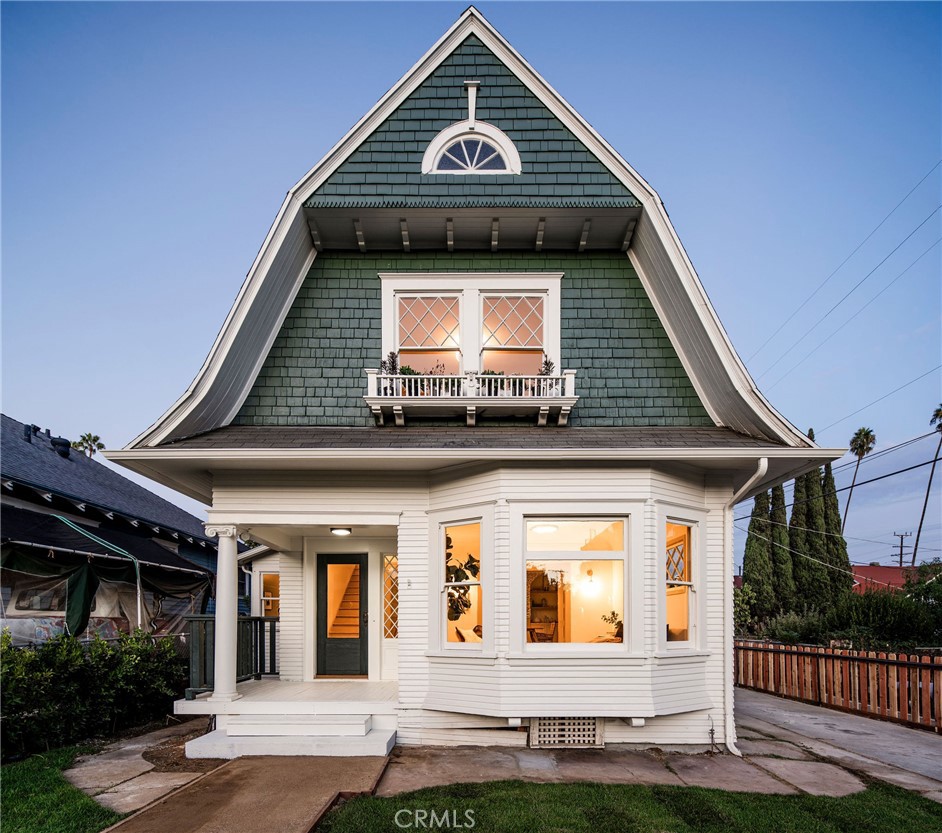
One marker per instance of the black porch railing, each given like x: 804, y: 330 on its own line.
x: 255, y: 653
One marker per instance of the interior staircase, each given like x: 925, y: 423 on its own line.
x: 346, y: 623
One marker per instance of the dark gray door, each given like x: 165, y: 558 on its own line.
x: 342, y: 615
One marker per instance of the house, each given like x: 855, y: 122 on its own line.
x: 85, y: 550
x: 869, y: 577
x: 474, y: 398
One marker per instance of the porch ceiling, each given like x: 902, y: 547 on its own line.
x: 486, y: 228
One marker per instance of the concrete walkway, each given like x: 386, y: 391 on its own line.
x: 258, y: 795
x: 119, y: 778
x: 909, y: 758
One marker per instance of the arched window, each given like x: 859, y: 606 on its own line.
x: 471, y: 154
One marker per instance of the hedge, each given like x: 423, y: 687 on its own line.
x: 62, y: 691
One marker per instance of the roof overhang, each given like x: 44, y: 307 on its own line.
x: 191, y: 470
x: 226, y: 377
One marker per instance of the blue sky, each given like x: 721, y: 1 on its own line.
x: 146, y: 148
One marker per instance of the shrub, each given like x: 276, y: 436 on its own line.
x: 58, y: 692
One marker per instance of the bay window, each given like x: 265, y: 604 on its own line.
x: 678, y: 592
x: 462, y: 596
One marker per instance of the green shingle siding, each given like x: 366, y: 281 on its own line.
x: 388, y: 164
x: 628, y: 372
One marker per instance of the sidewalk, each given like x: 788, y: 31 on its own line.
x: 909, y: 758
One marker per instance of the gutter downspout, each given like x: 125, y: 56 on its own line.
x: 730, y: 727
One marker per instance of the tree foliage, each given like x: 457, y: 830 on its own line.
x: 757, y: 564
x: 89, y: 444
x: 841, y: 576
x: 783, y: 579
x: 861, y: 444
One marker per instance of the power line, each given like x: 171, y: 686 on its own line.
x: 841, y: 264
x: 861, y: 483
x: 874, y: 298
x: 850, y: 292
x: 883, y: 451
x: 819, y: 532
x: 885, y: 396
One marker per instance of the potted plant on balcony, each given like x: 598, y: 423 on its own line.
x: 491, y: 386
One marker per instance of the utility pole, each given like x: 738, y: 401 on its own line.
x: 901, y: 536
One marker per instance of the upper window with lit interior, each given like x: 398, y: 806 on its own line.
x: 471, y: 146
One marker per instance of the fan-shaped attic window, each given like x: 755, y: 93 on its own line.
x: 471, y: 155
x: 471, y: 147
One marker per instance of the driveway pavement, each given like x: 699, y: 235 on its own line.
x: 909, y: 758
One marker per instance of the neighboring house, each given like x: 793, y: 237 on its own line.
x: 879, y: 577
x: 518, y: 526
x: 72, y: 534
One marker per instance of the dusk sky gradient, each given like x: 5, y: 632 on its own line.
x: 146, y: 148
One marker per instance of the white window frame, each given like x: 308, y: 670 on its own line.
x: 632, y: 575
x: 262, y: 598
x: 695, y: 521
x: 471, y: 287
x: 438, y: 621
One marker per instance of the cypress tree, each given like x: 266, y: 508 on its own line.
x: 819, y: 593
x: 797, y: 543
x: 757, y: 565
x: 841, y: 579
x: 783, y: 580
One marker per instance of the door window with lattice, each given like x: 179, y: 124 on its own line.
x: 429, y: 333
x: 512, y: 333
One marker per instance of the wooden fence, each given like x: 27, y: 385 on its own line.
x: 906, y: 688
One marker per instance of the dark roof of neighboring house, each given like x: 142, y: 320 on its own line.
x: 879, y: 577
x: 79, y: 477
x: 483, y: 437
x: 37, y: 528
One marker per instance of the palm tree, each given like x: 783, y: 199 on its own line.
x: 861, y: 444
x: 88, y: 443
x: 936, y: 422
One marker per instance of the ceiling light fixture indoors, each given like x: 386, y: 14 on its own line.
x: 341, y: 530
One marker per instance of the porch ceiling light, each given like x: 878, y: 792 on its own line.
x: 341, y: 530
x: 545, y: 529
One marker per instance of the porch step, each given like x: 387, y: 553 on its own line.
x: 299, y: 725
x: 218, y: 744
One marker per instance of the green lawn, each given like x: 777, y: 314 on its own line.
x: 518, y: 807
x: 37, y: 799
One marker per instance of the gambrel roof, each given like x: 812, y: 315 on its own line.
x: 351, y: 177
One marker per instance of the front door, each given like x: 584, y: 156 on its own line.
x: 342, y: 616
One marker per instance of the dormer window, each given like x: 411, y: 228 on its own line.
x: 471, y: 146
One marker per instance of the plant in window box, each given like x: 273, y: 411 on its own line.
x: 614, y: 619
x: 548, y: 387
x: 456, y: 571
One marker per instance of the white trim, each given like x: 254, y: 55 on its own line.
x: 471, y: 130
x: 696, y: 612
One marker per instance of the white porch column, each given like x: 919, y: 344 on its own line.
x: 227, y: 611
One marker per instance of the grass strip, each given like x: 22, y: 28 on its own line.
x: 37, y: 799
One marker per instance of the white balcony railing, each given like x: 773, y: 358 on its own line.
x: 469, y: 392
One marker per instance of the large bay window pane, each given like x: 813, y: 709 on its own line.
x: 679, y: 584
x: 462, y: 587
x: 429, y: 333
x: 575, y: 601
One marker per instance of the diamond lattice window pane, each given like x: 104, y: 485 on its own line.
x: 390, y: 597
x: 677, y: 563
x: 513, y: 321
x: 429, y: 321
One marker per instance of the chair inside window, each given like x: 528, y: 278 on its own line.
x: 546, y: 633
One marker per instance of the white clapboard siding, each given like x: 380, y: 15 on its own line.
x: 291, y: 622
